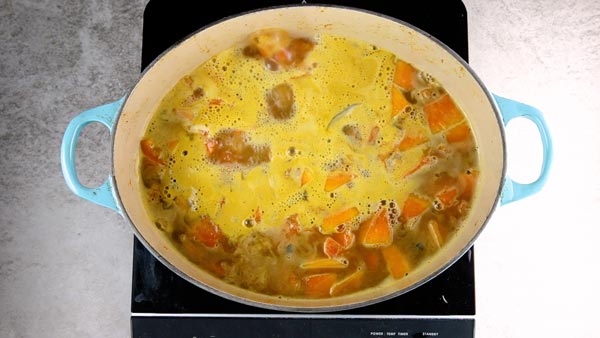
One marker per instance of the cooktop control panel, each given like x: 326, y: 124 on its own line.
x: 301, y: 327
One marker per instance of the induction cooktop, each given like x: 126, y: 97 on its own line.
x: 165, y: 305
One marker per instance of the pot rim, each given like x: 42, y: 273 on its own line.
x: 320, y: 309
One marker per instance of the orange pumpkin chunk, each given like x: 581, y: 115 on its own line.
x: 206, y: 232
x: 404, y: 75
x: 412, y: 140
x: 331, y: 222
x: 442, y: 114
x: 399, y: 101
x: 336, y: 180
x: 396, y: 262
x: 151, y: 151
x: 447, y: 196
x: 345, y: 238
x: 307, y: 176
x: 332, y: 248
x: 458, y: 133
x: 376, y: 231
x: 414, y: 206
x: 319, y: 285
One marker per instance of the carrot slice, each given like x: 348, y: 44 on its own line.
x: 172, y: 145
x: 206, y: 232
x: 412, y: 140
x: 434, y: 233
x: 151, y: 151
x: 319, y: 285
x: 307, y: 176
x: 414, y: 206
x: 442, y: 114
x: 348, y: 284
x: 337, y: 179
x: 373, y: 135
x: 404, y: 75
x: 399, y: 101
x: 396, y: 262
x: 426, y: 161
x: 447, y: 196
x: 258, y: 215
x: 458, y: 133
x: 332, y: 248
x: 376, y: 231
x: 325, y: 263
x: 331, y: 222
x: 345, y: 238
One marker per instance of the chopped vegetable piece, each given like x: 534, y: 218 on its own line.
x: 206, y: 232
x: 319, y: 285
x: 374, y: 134
x: 193, y: 250
x: 337, y: 179
x: 345, y: 238
x: 152, y: 173
x: 341, y: 114
x: 376, y: 231
x: 215, y: 102
x: 372, y: 259
x: 298, y: 49
x: 331, y: 222
x: 307, y: 176
x: 447, y: 197
x: 434, y: 233
x: 404, y: 75
x: 396, y: 261
x: 184, y: 114
x: 348, y: 284
x: 442, y: 114
x: 414, y: 206
x: 234, y: 146
x: 325, y: 263
x: 151, y: 151
x: 172, y: 145
x: 258, y: 215
x: 427, y: 161
x: 280, y: 101
x: 466, y: 182
x: 332, y: 248
x: 412, y: 140
x: 458, y: 133
x: 399, y: 101
x: 270, y: 41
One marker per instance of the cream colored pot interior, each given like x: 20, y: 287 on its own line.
x: 394, y: 36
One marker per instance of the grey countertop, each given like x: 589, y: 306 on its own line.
x: 65, y: 264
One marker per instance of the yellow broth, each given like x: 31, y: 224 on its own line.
x: 308, y: 166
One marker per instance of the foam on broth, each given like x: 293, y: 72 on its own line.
x: 308, y: 166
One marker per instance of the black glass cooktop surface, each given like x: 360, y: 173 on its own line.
x: 165, y: 305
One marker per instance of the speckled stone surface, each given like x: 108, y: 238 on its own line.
x: 65, y: 264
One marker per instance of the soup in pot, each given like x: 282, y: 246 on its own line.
x: 308, y: 167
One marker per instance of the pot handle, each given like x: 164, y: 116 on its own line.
x: 509, y: 109
x: 103, y: 195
